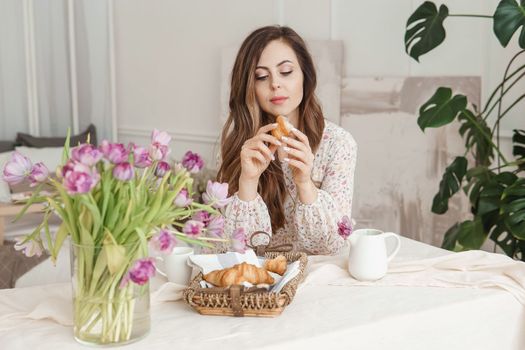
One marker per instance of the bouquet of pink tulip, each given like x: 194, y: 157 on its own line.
x: 113, y: 201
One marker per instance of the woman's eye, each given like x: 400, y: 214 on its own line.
x: 261, y: 77
x: 287, y: 73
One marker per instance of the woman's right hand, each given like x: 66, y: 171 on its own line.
x: 257, y: 153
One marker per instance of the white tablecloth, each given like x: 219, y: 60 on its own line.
x: 324, y: 317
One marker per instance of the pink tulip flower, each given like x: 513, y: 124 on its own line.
x: 86, y: 154
x: 192, y: 162
x: 344, y: 227
x: 163, y: 242
x: 39, y: 174
x: 193, y: 228
x: 216, y: 194
x: 239, y: 240
x: 17, y: 169
x: 123, y: 171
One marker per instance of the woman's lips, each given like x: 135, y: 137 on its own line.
x: 279, y: 100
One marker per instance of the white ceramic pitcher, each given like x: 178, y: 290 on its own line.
x: 368, y: 259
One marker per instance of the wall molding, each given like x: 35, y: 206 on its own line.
x: 506, y: 134
x: 185, y: 135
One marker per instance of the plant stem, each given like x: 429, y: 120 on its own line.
x: 504, y: 78
x: 504, y: 91
x: 517, y: 162
x: 509, y: 108
x: 500, y: 102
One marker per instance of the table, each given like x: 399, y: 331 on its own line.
x: 12, y: 209
x: 320, y: 317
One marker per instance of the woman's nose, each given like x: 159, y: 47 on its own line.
x: 276, y: 84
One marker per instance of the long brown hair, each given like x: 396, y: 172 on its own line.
x: 246, y: 117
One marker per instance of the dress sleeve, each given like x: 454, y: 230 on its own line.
x: 316, y: 223
x: 252, y: 216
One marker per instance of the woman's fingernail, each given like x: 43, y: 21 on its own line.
x: 284, y: 138
x: 286, y: 160
x: 279, y: 143
x: 273, y: 157
x: 286, y: 149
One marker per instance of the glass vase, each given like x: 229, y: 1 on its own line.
x: 106, y: 311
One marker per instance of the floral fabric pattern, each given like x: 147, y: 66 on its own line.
x: 311, y: 228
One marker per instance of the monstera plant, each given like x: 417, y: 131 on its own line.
x: 494, y: 184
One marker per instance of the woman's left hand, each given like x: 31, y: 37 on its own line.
x: 300, y: 157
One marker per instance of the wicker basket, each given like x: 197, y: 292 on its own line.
x: 241, y: 301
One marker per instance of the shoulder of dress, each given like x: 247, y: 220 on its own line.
x: 337, y: 137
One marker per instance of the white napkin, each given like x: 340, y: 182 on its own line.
x: 52, y: 302
x: 211, y: 262
x: 475, y: 268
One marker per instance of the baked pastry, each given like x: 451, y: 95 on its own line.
x: 283, y: 127
x: 277, y: 265
x: 237, y: 274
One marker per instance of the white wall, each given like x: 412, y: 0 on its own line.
x: 168, y: 54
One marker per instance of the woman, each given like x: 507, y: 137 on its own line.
x: 298, y: 187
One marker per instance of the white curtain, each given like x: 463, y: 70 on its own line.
x: 93, y: 67
x: 13, y: 98
x: 49, y: 22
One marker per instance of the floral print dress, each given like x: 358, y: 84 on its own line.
x: 311, y: 228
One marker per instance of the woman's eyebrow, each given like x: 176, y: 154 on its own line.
x: 279, y: 64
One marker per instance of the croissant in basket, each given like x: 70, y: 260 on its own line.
x: 283, y: 127
x: 237, y: 274
x: 277, y: 265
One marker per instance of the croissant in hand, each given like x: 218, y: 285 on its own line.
x: 237, y: 274
x: 283, y: 127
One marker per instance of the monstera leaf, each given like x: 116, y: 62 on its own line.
x: 424, y: 29
x: 450, y: 184
x: 470, y: 234
x: 441, y: 109
x: 519, y: 147
x: 508, y: 18
x: 513, y: 208
x: 477, y: 135
x: 492, y: 193
x: 477, y: 178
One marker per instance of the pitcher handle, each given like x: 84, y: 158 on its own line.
x: 398, y: 245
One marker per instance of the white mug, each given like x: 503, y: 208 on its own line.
x: 368, y: 260
x: 176, y: 265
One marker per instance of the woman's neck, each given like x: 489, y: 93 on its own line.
x: 293, y: 118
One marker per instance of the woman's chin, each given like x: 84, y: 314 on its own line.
x: 278, y: 111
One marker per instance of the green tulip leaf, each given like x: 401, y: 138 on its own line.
x: 441, y: 109
x: 518, y: 150
x: 450, y: 184
x: 424, y: 29
x: 476, y: 133
x: 508, y: 18
x: 115, y: 254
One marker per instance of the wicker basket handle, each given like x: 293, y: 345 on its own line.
x: 235, y: 295
x: 263, y: 248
